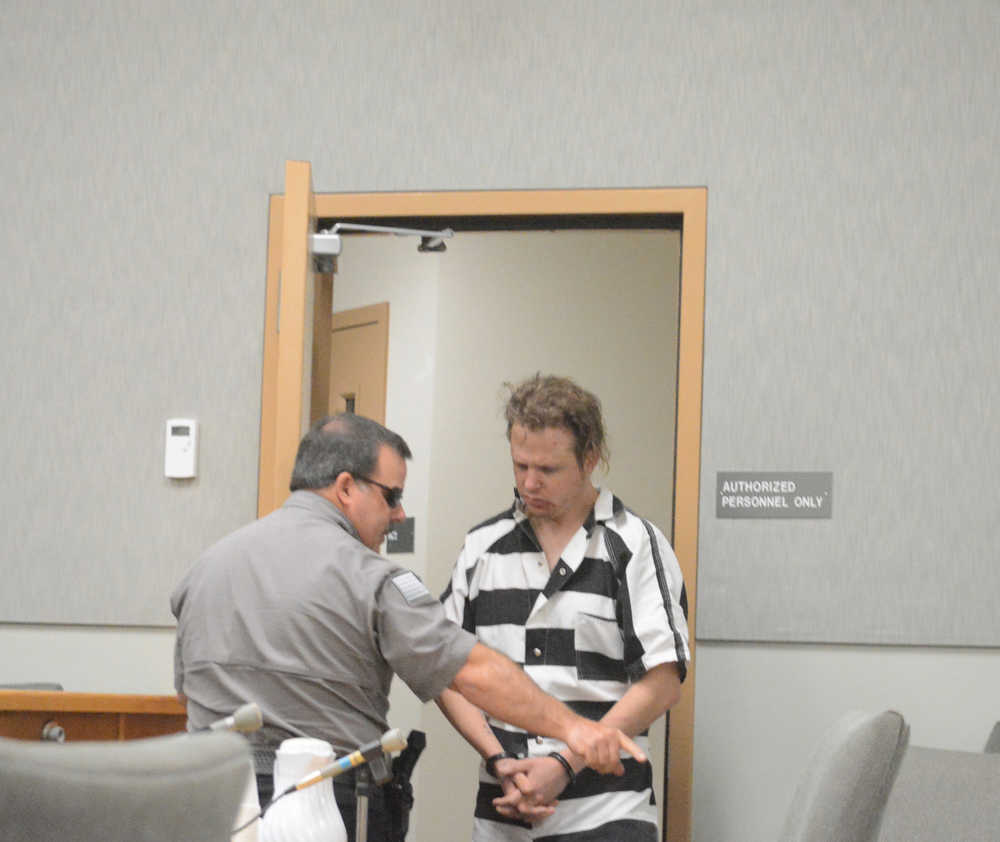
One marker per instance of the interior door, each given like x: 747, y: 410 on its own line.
x: 359, y: 356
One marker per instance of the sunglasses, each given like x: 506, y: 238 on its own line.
x: 393, y: 496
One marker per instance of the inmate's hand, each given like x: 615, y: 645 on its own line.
x: 538, y: 782
x: 514, y: 804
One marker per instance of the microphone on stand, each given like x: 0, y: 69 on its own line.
x: 373, y: 753
x: 390, y: 741
x: 244, y: 719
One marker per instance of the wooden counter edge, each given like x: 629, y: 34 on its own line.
x: 61, y: 700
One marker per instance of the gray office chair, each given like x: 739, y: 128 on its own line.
x: 183, y: 787
x: 943, y: 795
x: 843, y: 793
x: 993, y: 741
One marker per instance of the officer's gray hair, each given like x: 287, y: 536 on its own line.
x: 339, y: 443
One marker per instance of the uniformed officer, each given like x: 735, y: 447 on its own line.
x: 298, y: 612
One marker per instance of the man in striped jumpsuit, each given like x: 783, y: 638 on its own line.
x: 589, y: 598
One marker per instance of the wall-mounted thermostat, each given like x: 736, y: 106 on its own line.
x: 181, y: 461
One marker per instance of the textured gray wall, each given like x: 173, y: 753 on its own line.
x: 849, y: 152
x: 852, y: 295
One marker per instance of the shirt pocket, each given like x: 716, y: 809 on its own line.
x: 599, y: 648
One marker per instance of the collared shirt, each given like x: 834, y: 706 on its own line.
x: 293, y: 612
x: 610, y: 609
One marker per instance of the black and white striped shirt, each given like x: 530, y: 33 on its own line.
x: 611, y: 609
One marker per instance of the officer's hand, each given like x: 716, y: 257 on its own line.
x: 599, y: 745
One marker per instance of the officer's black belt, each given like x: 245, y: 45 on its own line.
x: 263, y: 760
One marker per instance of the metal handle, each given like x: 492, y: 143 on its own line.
x: 53, y: 732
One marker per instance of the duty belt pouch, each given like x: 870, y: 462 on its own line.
x: 399, y: 790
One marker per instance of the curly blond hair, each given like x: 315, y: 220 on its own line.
x: 550, y: 401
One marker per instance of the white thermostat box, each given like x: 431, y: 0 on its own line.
x: 181, y: 461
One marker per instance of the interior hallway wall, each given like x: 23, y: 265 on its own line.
x: 504, y: 298
x: 371, y: 270
x: 849, y: 156
x: 458, y: 328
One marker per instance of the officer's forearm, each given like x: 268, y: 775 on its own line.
x: 498, y: 686
x: 495, y: 684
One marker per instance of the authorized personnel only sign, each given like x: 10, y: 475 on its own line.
x: 774, y: 494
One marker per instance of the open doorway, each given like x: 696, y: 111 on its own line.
x: 539, y: 215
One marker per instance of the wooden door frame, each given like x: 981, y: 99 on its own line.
x: 297, y: 313
x: 688, y: 203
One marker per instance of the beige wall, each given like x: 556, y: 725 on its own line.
x: 600, y: 306
x: 499, y: 306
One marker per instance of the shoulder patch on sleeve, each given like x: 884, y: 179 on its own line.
x: 410, y: 586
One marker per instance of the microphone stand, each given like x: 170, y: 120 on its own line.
x: 370, y: 763
x: 375, y: 770
x: 362, y: 788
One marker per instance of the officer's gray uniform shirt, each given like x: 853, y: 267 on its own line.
x: 295, y: 613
